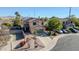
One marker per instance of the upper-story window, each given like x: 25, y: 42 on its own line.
x: 42, y: 23
x: 34, y: 23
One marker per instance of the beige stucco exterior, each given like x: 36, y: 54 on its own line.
x: 37, y: 26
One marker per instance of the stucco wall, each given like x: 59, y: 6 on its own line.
x: 37, y: 26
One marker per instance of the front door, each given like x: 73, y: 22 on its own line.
x: 26, y: 28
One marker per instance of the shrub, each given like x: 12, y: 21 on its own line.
x: 7, y: 24
x: 75, y: 20
x: 54, y: 23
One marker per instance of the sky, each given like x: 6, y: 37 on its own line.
x: 39, y: 11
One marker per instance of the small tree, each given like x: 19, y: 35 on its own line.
x: 17, y: 15
x: 54, y: 23
x: 18, y: 21
x: 75, y: 20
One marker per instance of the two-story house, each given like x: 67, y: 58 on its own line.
x: 33, y: 24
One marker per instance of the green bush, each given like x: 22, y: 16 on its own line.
x: 7, y: 24
x: 75, y: 20
x: 54, y: 23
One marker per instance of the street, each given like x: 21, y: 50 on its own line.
x: 67, y: 43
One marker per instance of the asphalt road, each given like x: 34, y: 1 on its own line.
x: 67, y: 43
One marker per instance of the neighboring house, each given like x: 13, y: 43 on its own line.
x: 33, y: 24
x: 68, y: 24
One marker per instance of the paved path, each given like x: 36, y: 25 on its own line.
x: 69, y: 42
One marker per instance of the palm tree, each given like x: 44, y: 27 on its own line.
x: 17, y: 13
x: 18, y: 20
x: 18, y: 16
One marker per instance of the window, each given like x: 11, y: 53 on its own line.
x: 34, y: 23
x: 42, y: 23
